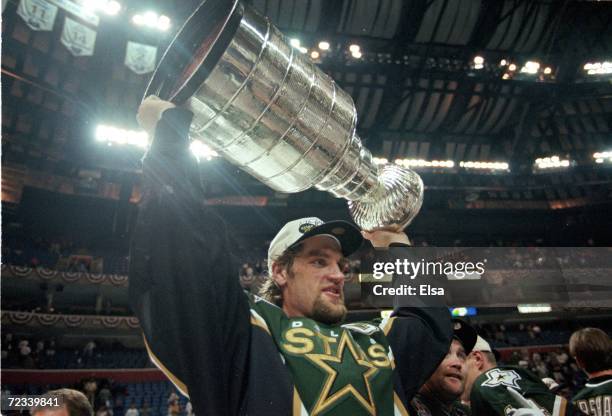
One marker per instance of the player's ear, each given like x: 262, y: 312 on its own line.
x: 279, y: 274
x: 480, y: 362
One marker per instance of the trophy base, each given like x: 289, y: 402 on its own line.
x: 393, y: 204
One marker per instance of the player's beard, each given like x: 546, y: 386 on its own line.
x: 327, y: 312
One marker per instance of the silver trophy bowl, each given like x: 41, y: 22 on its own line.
x: 266, y: 108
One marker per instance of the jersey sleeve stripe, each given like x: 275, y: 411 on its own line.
x: 560, y: 406
x: 399, y: 409
x: 298, y: 406
x: 386, y: 324
x: 257, y: 320
x: 174, y: 379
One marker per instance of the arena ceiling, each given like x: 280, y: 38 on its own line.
x: 419, y: 92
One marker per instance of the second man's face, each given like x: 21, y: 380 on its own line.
x: 448, y: 381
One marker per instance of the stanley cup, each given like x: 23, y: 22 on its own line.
x: 266, y: 108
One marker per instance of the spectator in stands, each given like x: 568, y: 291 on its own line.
x: 188, y: 409
x: 91, y: 386
x: 104, y: 411
x: 145, y: 410
x: 174, y: 409
x: 105, y: 397
x: 592, y: 349
x: 7, y: 346
x: 562, y: 357
x: 50, y: 351
x: 89, y: 348
x: 74, y: 403
x: 132, y: 411
x: 25, y: 358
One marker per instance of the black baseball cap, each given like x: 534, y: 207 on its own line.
x: 465, y: 333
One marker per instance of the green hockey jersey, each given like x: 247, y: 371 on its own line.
x: 490, y: 394
x: 595, y: 399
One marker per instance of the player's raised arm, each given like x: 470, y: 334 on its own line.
x: 183, y: 286
x: 419, y: 337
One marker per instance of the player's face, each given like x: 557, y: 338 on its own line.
x: 447, y: 382
x: 314, y: 284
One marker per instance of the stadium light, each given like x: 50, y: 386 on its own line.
x: 152, y: 20
x: 114, y: 135
x: 354, y: 48
x: 503, y: 62
x: 530, y: 67
x: 484, y: 165
x: 302, y: 49
x: 380, y: 160
x: 598, y: 68
x: 163, y: 23
x: 109, y: 7
x: 356, y: 54
x: 295, y: 42
x: 512, y: 67
x: 324, y: 46
x: 553, y: 162
x: 112, y: 8
x: 422, y: 163
x: 548, y: 70
x: 314, y: 54
x: 534, y: 308
x: 601, y: 157
x: 478, y: 60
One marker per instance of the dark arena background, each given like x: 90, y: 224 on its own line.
x: 504, y: 108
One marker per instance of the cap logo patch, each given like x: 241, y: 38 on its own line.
x: 338, y: 231
x: 304, y: 228
x: 457, y: 326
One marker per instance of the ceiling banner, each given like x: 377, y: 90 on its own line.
x: 140, y: 58
x: 37, y: 14
x: 79, y: 39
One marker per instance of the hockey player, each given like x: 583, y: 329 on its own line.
x: 592, y: 350
x: 489, y: 388
x: 439, y: 395
x: 234, y: 354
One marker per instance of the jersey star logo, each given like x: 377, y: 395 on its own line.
x: 497, y: 377
x: 343, y: 371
